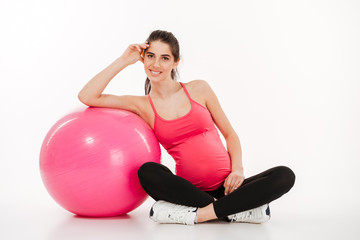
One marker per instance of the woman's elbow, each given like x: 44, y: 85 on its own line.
x: 82, y: 98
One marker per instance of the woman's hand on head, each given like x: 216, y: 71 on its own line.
x: 233, y: 181
x: 134, y: 53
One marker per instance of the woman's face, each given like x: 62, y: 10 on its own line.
x: 159, y: 61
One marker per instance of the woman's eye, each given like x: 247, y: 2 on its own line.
x: 164, y: 58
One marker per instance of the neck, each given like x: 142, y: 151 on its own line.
x: 164, y: 89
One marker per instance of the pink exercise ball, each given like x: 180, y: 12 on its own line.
x: 89, y: 161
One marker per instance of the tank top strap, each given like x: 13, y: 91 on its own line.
x: 187, y: 93
x: 152, y: 105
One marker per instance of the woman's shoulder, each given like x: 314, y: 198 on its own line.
x: 199, y: 90
x: 198, y: 85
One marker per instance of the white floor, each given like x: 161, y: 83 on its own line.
x: 49, y: 221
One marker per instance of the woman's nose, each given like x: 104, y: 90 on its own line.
x: 156, y: 63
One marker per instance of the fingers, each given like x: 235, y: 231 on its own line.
x: 227, y: 190
x: 229, y: 186
x: 140, y: 47
x: 143, y: 46
x: 232, y: 184
x: 237, y: 185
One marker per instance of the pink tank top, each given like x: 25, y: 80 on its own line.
x: 194, y: 143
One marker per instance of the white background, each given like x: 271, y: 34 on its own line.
x: 286, y: 74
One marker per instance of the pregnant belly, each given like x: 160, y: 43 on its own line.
x: 206, y: 166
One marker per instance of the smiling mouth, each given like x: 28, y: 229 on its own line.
x: 155, y: 73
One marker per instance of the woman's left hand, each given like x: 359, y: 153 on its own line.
x: 233, y: 181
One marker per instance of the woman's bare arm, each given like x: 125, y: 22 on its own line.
x: 94, y: 88
x: 92, y: 93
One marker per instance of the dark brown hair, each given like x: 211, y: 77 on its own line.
x: 170, y: 39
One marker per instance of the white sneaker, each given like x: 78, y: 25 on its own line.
x: 257, y: 215
x: 165, y: 212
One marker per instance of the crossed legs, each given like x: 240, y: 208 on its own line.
x: 161, y: 184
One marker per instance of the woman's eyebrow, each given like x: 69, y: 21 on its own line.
x: 161, y: 54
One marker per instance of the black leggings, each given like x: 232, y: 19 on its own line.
x: 161, y: 184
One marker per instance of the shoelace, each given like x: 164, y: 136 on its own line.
x: 181, y: 215
x: 247, y: 215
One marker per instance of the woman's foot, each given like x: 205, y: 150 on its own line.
x: 166, y: 212
x: 257, y: 215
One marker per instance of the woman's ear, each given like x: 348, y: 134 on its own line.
x: 176, y: 64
